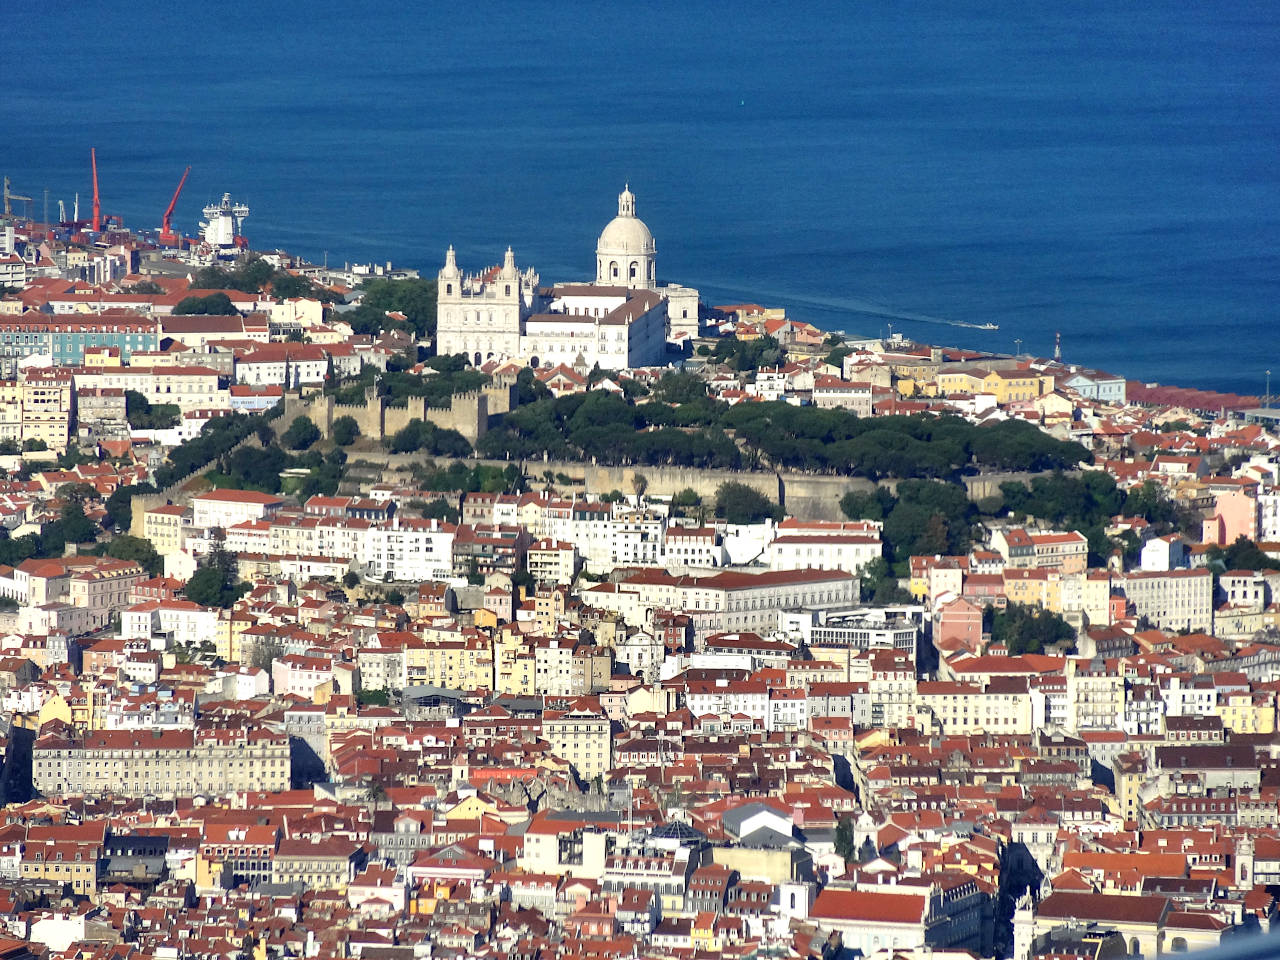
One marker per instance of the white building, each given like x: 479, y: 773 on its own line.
x: 552, y: 561
x: 226, y: 508
x: 410, y: 549
x: 849, y: 552
x: 1172, y: 600
x: 183, y: 622
x: 730, y: 601
x: 1164, y: 553
x: 621, y: 320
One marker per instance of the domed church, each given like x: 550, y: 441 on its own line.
x: 623, y: 319
x: 626, y: 254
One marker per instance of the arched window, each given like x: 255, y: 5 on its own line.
x: 1179, y: 945
x: 1135, y: 948
x: 477, y: 358
x: 650, y: 269
x: 508, y: 289
x: 633, y: 269
x: 613, y: 269
x: 533, y: 362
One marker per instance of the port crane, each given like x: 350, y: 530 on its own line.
x: 167, y: 237
x: 99, y: 221
x: 9, y: 197
x: 97, y: 205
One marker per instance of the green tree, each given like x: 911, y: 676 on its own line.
x: 688, y: 497
x: 345, y: 430
x: 676, y: 387
x: 836, y: 357
x: 416, y: 299
x: 878, y: 585
x: 217, y: 583
x: 844, y: 839
x: 301, y: 434
x: 436, y: 509
x: 1026, y: 629
x: 75, y: 526
x: 350, y: 579
x: 265, y: 653
x: 738, y: 503
x: 929, y: 517
x: 147, y: 288
x: 868, y: 504
x: 143, y: 415
x: 125, y: 547
x: 529, y: 388
x: 1243, y: 554
x: 286, y: 286
x: 215, y: 304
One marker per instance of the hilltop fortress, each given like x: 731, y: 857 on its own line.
x: 623, y: 319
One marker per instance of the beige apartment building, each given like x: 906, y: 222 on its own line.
x: 961, y: 709
x: 37, y: 408
x: 162, y: 763
x: 581, y: 737
x: 320, y: 864
x: 163, y: 527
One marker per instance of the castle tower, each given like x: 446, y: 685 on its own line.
x: 626, y: 255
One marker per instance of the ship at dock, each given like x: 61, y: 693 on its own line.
x: 222, y: 230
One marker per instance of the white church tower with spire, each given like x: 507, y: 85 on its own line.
x: 482, y: 316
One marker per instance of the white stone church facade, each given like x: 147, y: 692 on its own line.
x: 623, y: 319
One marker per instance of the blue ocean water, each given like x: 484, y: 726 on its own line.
x: 1107, y: 170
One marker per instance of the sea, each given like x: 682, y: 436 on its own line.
x: 1106, y: 172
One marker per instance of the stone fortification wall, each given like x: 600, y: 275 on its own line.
x: 807, y: 496
x: 467, y: 413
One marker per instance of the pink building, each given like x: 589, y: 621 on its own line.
x: 1235, y: 516
x: 958, y: 625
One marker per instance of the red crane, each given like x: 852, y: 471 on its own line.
x: 167, y: 237
x: 97, y: 206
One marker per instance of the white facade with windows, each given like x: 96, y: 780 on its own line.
x: 622, y: 320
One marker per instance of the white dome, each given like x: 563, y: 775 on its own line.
x: 626, y: 254
x: 625, y: 235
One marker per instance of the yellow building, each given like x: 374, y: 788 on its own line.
x: 1007, y: 386
x: 55, y: 708
x: 1034, y: 588
x: 102, y: 357
x: 1010, y: 386
x: 72, y: 864
x: 459, y: 664
x: 46, y: 408
x: 163, y: 527
x: 1247, y: 712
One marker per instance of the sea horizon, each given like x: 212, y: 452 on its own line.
x: 1101, y: 173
